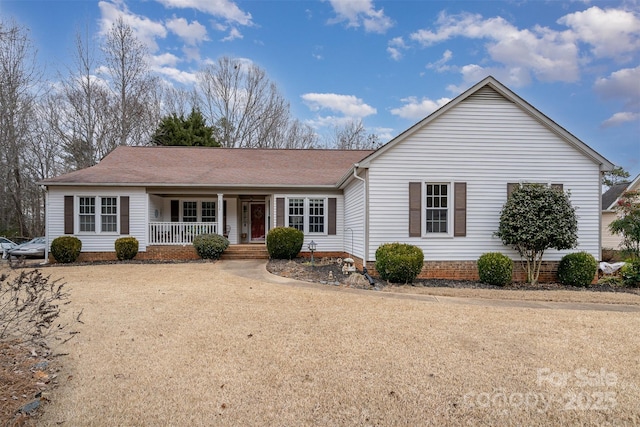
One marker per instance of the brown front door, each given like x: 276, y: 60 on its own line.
x: 257, y: 221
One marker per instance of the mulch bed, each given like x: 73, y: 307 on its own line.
x: 26, y: 379
x: 301, y: 269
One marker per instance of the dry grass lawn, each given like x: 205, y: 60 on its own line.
x: 191, y: 344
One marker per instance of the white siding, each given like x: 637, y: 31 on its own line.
x: 325, y: 242
x: 354, y: 218
x: 232, y: 219
x: 99, y: 242
x: 609, y: 241
x: 156, y: 206
x: 487, y: 142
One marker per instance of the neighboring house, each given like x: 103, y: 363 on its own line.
x: 609, y: 202
x: 439, y: 185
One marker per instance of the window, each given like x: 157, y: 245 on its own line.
x: 316, y: 215
x: 190, y: 211
x: 296, y: 214
x: 109, y: 214
x: 208, y: 211
x: 437, y: 208
x: 87, y: 211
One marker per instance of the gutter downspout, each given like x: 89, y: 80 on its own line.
x: 364, y: 228
x: 46, y: 224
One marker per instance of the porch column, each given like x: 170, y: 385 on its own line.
x: 220, y: 215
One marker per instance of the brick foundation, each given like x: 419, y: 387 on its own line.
x: 468, y: 270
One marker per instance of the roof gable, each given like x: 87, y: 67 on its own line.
x: 204, y: 166
x: 611, y: 196
x: 490, y: 87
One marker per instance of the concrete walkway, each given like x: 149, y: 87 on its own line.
x: 257, y: 270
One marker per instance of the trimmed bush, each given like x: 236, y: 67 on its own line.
x: 66, y: 249
x: 495, y: 269
x: 284, y: 242
x: 126, y: 248
x: 210, y: 246
x: 577, y: 269
x: 399, y: 262
x: 630, y: 273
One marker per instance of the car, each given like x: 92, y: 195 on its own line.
x: 5, y: 245
x: 34, y: 248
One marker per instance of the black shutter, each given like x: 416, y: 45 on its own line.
x: 68, y: 214
x: 124, y: 214
x: 175, y: 210
x: 332, y: 216
x: 415, y: 206
x: 460, y: 209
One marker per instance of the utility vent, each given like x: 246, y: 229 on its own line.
x: 486, y: 94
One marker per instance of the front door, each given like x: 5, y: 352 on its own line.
x: 257, y: 222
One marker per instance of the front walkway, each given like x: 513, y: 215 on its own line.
x: 256, y: 269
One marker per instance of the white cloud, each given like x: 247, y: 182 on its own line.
x: 166, y: 59
x: 234, y: 33
x: 416, y: 109
x: 192, y: 33
x: 549, y: 55
x: 619, y: 118
x: 623, y: 84
x: 227, y: 10
x: 145, y: 29
x: 361, y: 13
x: 441, y: 64
x: 395, y: 48
x: 177, y: 75
x: 348, y: 105
x: 612, y: 33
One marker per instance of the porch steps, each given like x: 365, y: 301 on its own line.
x: 245, y: 252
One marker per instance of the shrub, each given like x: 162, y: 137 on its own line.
x: 210, y: 246
x: 66, y: 249
x: 577, y: 269
x: 613, y: 281
x: 126, y: 248
x: 631, y: 273
x: 284, y: 242
x: 495, y: 268
x: 399, y: 262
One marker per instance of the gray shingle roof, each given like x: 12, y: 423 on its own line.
x: 612, y: 194
x: 200, y: 166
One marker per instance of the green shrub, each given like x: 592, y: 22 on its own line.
x: 399, y: 262
x: 613, y: 281
x: 210, y: 246
x: 495, y: 269
x: 577, y: 269
x: 126, y: 248
x: 284, y: 242
x: 631, y: 273
x: 66, y: 249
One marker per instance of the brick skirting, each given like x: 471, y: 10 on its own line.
x: 468, y: 270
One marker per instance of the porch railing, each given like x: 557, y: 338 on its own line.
x: 178, y: 233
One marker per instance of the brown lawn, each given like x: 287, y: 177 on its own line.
x: 191, y: 344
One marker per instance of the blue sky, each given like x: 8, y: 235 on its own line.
x: 389, y: 63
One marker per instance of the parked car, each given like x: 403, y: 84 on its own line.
x: 34, y: 248
x: 5, y: 245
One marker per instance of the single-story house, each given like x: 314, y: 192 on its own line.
x: 609, y: 202
x: 439, y: 185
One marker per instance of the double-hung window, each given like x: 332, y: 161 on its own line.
x: 307, y: 214
x: 109, y: 214
x: 87, y: 206
x: 437, y: 208
x: 316, y: 215
x: 296, y: 214
x: 189, y: 211
x: 97, y: 214
x: 208, y: 212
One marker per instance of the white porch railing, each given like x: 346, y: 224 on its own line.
x: 178, y: 233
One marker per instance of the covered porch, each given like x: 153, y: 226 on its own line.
x: 176, y: 218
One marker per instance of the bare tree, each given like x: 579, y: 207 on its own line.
x: 239, y: 99
x: 353, y: 136
x: 79, y: 111
x: 18, y: 89
x: 135, y: 107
